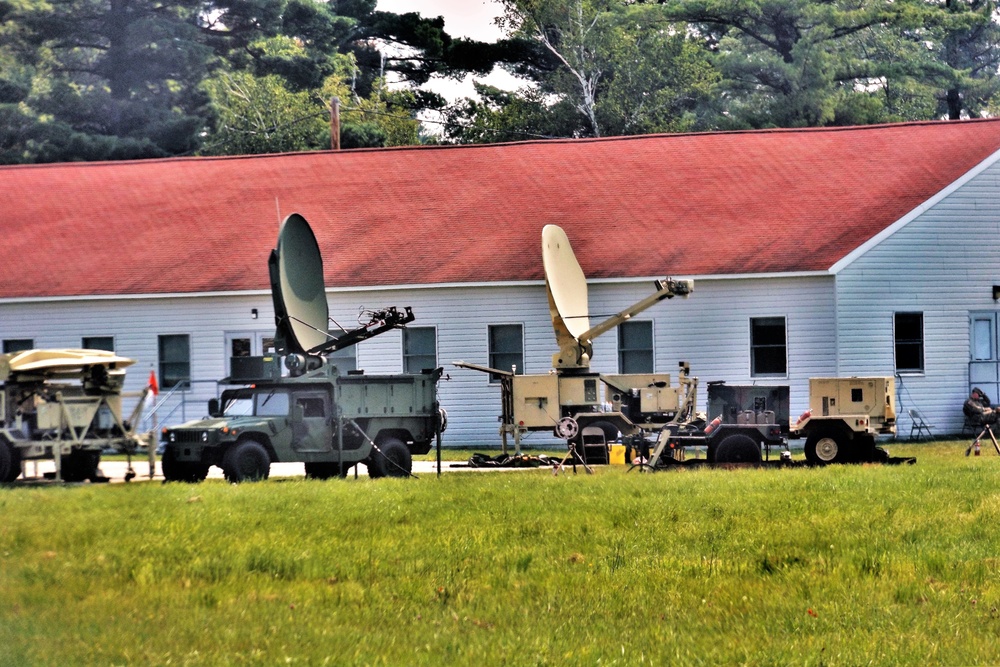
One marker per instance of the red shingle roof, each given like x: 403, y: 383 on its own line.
x: 686, y: 204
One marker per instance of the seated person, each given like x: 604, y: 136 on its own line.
x: 977, y: 408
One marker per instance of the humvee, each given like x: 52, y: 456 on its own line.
x: 310, y: 412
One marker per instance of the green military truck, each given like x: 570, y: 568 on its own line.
x: 327, y: 420
x: 310, y: 412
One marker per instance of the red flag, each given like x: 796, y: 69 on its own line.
x: 153, y: 386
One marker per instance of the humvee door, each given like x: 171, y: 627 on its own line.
x: 312, y: 433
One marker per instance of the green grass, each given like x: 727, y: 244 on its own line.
x: 849, y: 565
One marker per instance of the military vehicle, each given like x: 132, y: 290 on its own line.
x: 588, y: 409
x: 845, y: 417
x: 63, y: 405
x: 310, y: 412
x: 656, y: 421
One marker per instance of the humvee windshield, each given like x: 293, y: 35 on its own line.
x: 255, y: 402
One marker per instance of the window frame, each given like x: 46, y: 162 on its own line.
x: 897, y: 342
x: 623, y: 352
x: 990, y: 318
x: 490, y: 354
x: 409, y: 356
x: 86, y: 346
x: 169, y: 379
x: 753, y: 348
x: 12, y: 345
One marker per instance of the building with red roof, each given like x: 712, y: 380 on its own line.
x: 815, y: 252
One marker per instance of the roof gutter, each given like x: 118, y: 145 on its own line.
x: 389, y: 288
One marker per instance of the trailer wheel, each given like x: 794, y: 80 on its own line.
x: 79, y: 465
x: 825, y: 447
x: 737, y: 448
x: 246, y: 461
x: 391, y: 459
x: 10, y: 463
x: 181, y: 471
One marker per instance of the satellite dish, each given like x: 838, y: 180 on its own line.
x: 567, y: 290
x: 297, y: 287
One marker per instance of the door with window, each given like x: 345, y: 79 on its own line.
x: 984, y: 362
x: 245, y: 344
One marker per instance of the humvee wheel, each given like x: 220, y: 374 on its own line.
x: 392, y: 459
x: 246, y: 461
x: 10, y: 463
x: 79, y: 465
x: 181, y: 471
x: 824, y: 448
x: 737, y: 448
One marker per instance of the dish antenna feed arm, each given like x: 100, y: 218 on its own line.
x: 566, y: 286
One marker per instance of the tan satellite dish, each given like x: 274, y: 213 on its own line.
x: 297, y: 287
x: 567, y: 289
x: 53, y: 362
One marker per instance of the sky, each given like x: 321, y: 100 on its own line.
x: 462, y: 18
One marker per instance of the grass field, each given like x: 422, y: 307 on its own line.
x: 849, y: 565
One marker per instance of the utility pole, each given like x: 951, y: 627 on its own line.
x: 335, y: 123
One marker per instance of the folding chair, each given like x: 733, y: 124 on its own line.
x: 919, y: 425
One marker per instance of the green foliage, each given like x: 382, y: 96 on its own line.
x: 264, y: 115
x: 878, y: 565
x: 600, y: 68
x: 102, y: 79
x: 93, y: 79
x: 260, y: 115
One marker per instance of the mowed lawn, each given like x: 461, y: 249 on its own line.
x: 846, y: 565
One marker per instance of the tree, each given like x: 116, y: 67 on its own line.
x: 100, y: 79
x: 266, y: 114
x: 497, y: 115
x: 968, y: 44
x: 788, y: 63
x: 599, y: 67
x: 110, y: 79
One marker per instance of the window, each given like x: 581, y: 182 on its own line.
x: 18, y: 345
x: 272, y: 403
x: 419, y: 349
x: 635, y: 347
x: 312, y: 406
x: 767, y: 346
x: 908, y: 332
x: 175, y: 359
x: 506, y: 348
x: 106, y: 343
x: 982, y: 338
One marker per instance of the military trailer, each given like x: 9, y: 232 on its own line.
x: 844, y: 418
x: 310, y: 411
x: 585, y: 408
x: 748, y: 422
x: 65, y: 406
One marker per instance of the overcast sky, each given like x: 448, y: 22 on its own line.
x: 462, y: 18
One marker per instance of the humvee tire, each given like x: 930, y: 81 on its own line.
x: 246, y: 461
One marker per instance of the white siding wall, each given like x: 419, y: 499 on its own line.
x: 943, y: 263
x: 710, y: 330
